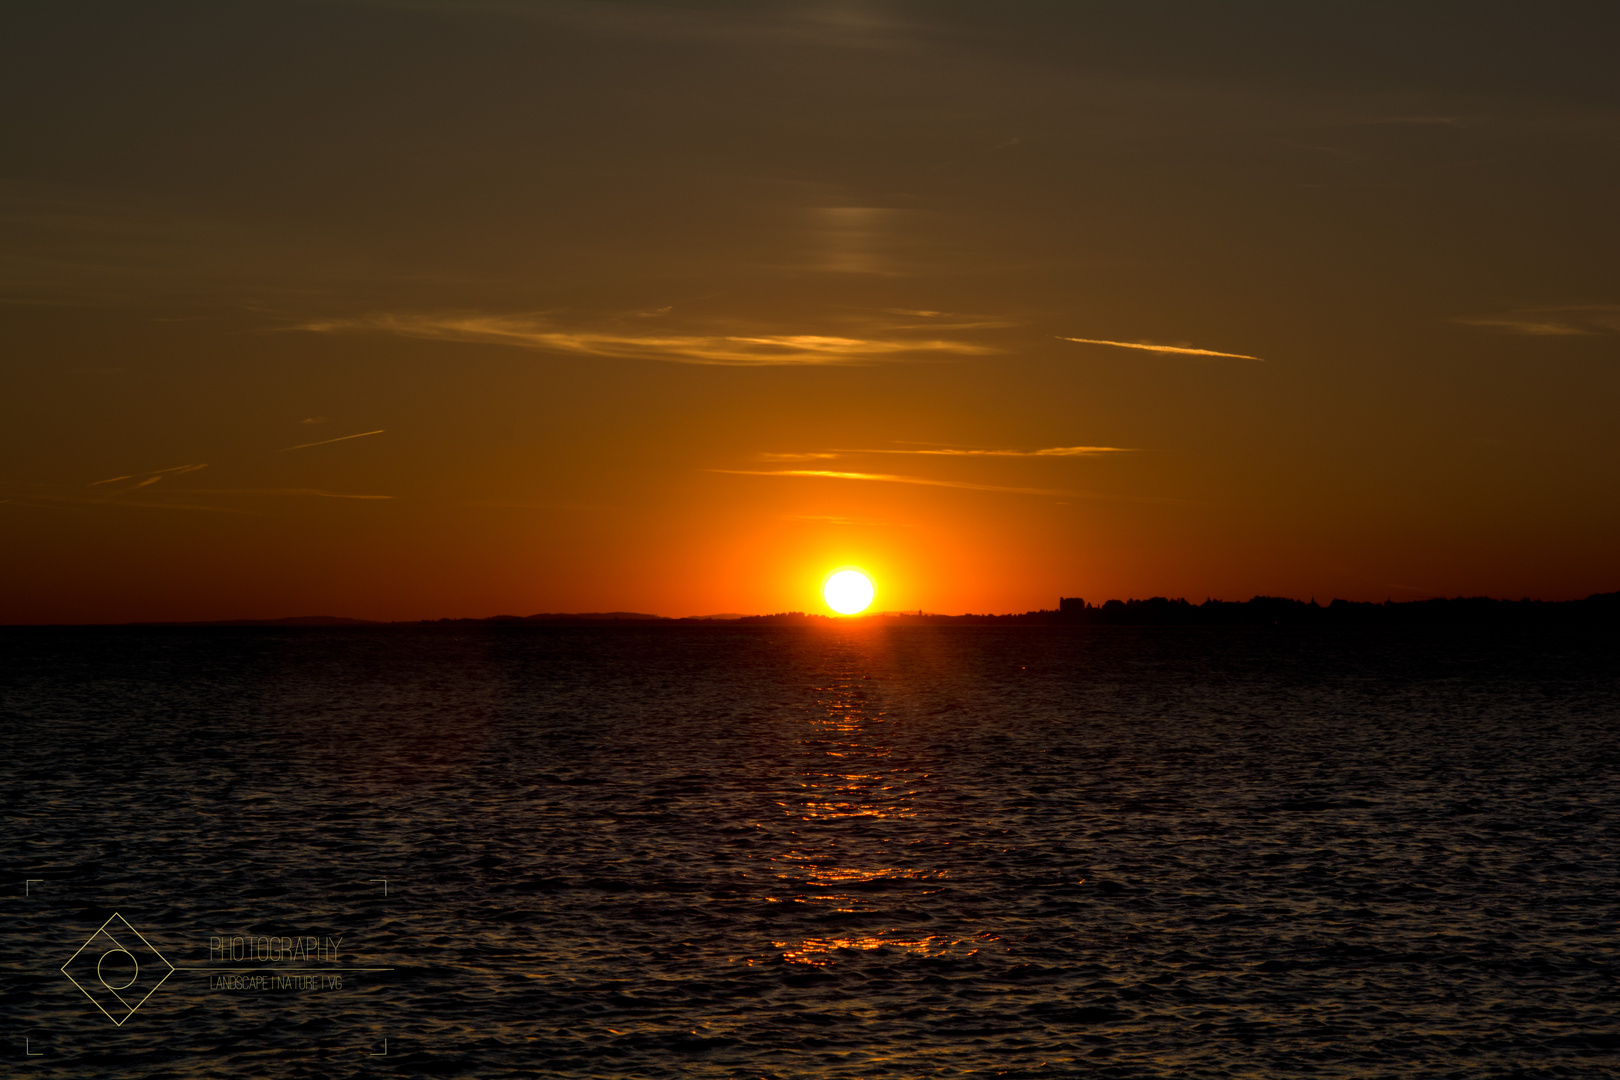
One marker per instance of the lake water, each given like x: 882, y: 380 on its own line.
x: 830, y: 852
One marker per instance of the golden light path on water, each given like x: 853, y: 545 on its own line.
x: 848, y: 777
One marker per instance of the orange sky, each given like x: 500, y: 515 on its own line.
x: 675, y: 307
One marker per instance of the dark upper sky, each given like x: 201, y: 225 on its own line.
x: 677, y: 307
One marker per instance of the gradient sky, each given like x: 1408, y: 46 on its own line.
x: 417, y: 309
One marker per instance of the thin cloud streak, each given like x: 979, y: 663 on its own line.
x: 831, y: 474
x: 136, y: 496
x: 890, y: 478
x: 984, y: 325
x: 1180, y: 350
x: 323, y: 442
x: 1529, y: 327
x: 1049, y: 452
x: 735, y: 351
x: 1053, y: 451
x: 828, y: 28
x: 1588, y: 320
x: 151, y: 477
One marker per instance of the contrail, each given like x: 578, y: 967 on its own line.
x: 323, y: 442
x: 1054, y: 451
x: 889, y: 478
x: 1160, y: 348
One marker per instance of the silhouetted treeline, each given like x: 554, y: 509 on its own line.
x: 1599, y: 609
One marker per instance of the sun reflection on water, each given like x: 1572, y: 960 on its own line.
x: 817, y: 952
x: 848, y: 790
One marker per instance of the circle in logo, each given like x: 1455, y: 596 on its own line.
x: 118, y: 952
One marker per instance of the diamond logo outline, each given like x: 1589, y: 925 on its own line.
x: 118, y: 946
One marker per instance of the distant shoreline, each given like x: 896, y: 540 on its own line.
x: 1599, y: 609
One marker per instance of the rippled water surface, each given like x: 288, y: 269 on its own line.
x: 722, y: 851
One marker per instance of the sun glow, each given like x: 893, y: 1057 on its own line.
x: 848, y: 592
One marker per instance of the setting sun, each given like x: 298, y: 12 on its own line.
x: 848, y: 592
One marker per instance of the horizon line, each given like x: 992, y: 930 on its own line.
x: 646, y: 617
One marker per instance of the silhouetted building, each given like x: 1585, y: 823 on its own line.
x: 1070, y: 605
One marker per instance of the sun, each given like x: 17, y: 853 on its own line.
x: 848, y: 592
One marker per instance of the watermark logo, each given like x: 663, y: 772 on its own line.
x: 118, y: 969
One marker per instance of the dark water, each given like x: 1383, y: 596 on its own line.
x: 802, y: 852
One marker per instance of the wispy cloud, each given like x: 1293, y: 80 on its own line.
x: 833, y: 26
x: 153, y: 476
x: 532, y: 332
x: 323, y: 442
x: 952, y: 451
x: 942, y: 320
x: 1576, y: 320
x: 982, y: 324
x: 948, y: 452
x: 1531, y: 327
x: 933, y: 321
x: 136, y: 489
x: 1051, y: 451
x: 889, y: 478
x: 143, y: 495
x: 1181, y: 350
